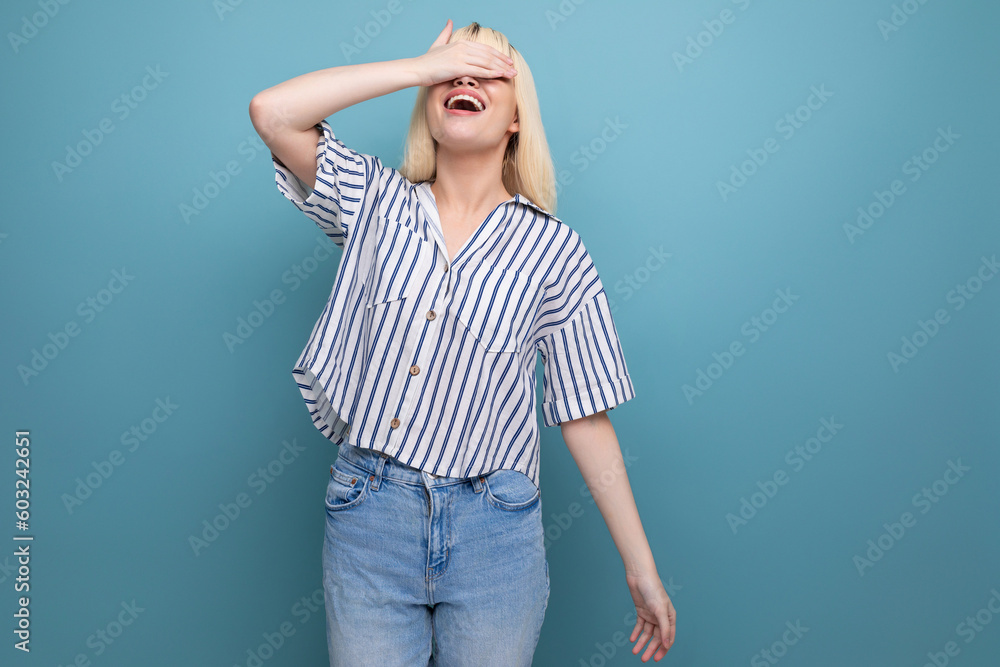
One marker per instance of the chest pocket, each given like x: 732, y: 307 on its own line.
x: 401, y: 263
x: 496, y: 308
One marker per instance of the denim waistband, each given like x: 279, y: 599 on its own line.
x: 371, y: 460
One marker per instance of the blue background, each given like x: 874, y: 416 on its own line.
x: 652, y: 183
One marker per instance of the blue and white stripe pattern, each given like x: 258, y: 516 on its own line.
x: 431, y: 359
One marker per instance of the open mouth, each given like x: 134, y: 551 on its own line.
x: 464, y: 103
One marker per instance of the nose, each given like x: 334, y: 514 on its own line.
x: 466, y: 80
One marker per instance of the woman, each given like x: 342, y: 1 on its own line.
x: 422, y: 365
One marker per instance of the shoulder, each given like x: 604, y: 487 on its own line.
x: 535, y: 209
x: 378, y: 173
x: 560, y: 244
x: 556, y: 239
x: 397, y: 193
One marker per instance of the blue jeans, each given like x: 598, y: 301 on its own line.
x: 426, y: 570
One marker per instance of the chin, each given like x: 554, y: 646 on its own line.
x: 468, y: 139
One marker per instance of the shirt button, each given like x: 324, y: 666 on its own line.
x: 446, y: 268
x: 414, y: 369
x: 394, y: 423
x: 431, y: 315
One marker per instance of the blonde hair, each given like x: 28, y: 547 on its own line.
x: 527, y: 163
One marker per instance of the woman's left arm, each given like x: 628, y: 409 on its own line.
x: 594, y: 446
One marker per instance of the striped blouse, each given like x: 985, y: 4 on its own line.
x: 432, y: 359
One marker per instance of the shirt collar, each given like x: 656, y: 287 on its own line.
x: 524, y: 200
x: 517, y: 198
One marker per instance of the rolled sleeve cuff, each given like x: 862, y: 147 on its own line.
x: 595, y: 399
x: 340, y: 172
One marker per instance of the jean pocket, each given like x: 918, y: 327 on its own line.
x: 345, y: 490
x: 511, y: 490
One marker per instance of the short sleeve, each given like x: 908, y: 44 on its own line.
x: 584, y: 364
x: 346, y: 183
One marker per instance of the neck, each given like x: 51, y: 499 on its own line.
x: 469, y: 182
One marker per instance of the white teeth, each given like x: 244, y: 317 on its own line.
x: 477, y: 103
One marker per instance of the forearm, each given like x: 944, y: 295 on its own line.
x: 594, y: 446
x: 300, y: 103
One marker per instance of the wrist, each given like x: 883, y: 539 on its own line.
x: 414, y: 72
x: 639, y: 563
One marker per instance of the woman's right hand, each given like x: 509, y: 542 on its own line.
x: 446, y: 61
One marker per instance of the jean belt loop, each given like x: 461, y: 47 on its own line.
x: 380, y: 462
x: 477, y: 483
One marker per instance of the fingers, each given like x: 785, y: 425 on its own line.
x: 654, y: 647
x: 638, y: 626
x: 496, y: 62
x: 668, y: 625
x: 485, y: 73
x: 666, y: 632
x: 660, y: 635
x: 490, y: 69
x: 444, y: 36
x: 480, y: 60
x: 648, y: 630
